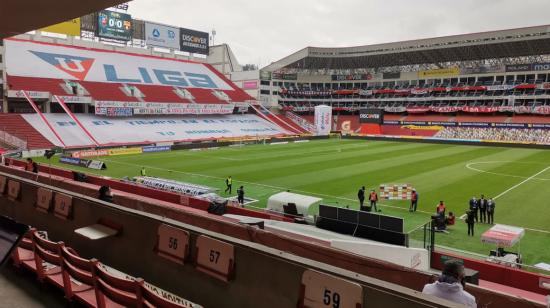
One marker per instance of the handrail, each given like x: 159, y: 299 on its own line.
x: 73, y: 117
x: 303, y: 123
x: 12, y: 140
x: 33, y: 105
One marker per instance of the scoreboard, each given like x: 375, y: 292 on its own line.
x: 396, y: 191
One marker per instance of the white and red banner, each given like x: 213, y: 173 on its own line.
x: 541, y: 110
x: 419, y: 91
x: 323, y: 120
x: 503, y: 235
x: 46, y: 60
x: 149, y: 129
x: 143, y: 108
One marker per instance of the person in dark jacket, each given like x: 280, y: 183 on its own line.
x: 482, y: 209
x: 240, y: 196
x: 491, y: 211
x: 34, y: 167
x: 474, y: 206
x: 105, y: 194
x: 470, y: 220
x: 361, y: 197
x: 414, y: 201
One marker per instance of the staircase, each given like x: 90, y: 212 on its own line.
x: 300, y: 122
x: 270, y: 117
x: 17, y: 126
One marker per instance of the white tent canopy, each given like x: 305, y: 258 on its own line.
x: 503, y: 235
x: 303, y: 203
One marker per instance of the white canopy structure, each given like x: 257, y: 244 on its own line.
x: 503, y: 235
x: 303, y: 203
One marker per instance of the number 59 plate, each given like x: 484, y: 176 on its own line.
x: 322, y: 290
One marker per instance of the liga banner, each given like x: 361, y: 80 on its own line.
x: 46, y: 60
x: 396, y: 191
x: 69, y: 27
x: 442, y: 72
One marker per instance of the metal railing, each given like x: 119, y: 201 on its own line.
x: 303, y: 123
x: 12, y: 140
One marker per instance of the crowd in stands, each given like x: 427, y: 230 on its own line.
x: 496, y: 134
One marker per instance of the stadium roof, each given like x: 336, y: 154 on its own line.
x: 20, y: 16
x: 466, y: 47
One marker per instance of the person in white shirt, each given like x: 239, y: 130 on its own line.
x: 450, y: 285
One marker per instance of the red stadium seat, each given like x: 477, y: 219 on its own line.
x: 152, y: 299
x: 114, y: 291
x: 48, y: 260
x: 24, y: 253
x: 78, y: 277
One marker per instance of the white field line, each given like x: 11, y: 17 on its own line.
x: 469, y: 166
x: 521, y: 183
x: 283, y: 188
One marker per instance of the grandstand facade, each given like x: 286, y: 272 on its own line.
x: 504, y: 74
x: 75, y: 93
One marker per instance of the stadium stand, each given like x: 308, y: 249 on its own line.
x: 17, y: 126
x: 395, y: 130
x: 146, y: 231
x: 490, y: 77
x: 529, y: 119
x: 87, y: 281
x: 163, y: 105
x: 541, y: 136
x: 173, y: 240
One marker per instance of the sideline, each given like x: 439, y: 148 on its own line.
x: 256, y: 184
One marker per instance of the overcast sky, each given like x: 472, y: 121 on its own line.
x: 261, y: 31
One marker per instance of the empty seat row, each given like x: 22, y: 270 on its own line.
x: 86, y: 281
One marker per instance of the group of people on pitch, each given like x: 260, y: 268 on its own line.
x: 480, y: 210
x: 373, y: 199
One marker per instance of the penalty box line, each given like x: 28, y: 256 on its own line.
x: 521, y: 183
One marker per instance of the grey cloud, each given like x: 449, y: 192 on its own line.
x: 269, y: 30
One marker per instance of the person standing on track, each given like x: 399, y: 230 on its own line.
x: 240, y: 196
x: 361, y: 197
x: 474, y: 206
x: 373, y: 198
x: 470, y: 220
x: 482, y: 209
x: 490, y: 211
x: 414, y: 201
x: 228, y: 184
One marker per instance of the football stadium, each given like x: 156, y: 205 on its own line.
x: 143, y: 166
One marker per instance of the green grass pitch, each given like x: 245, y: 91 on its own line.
x: 335, y: 169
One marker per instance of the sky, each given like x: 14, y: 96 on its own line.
x: 260, y: 32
